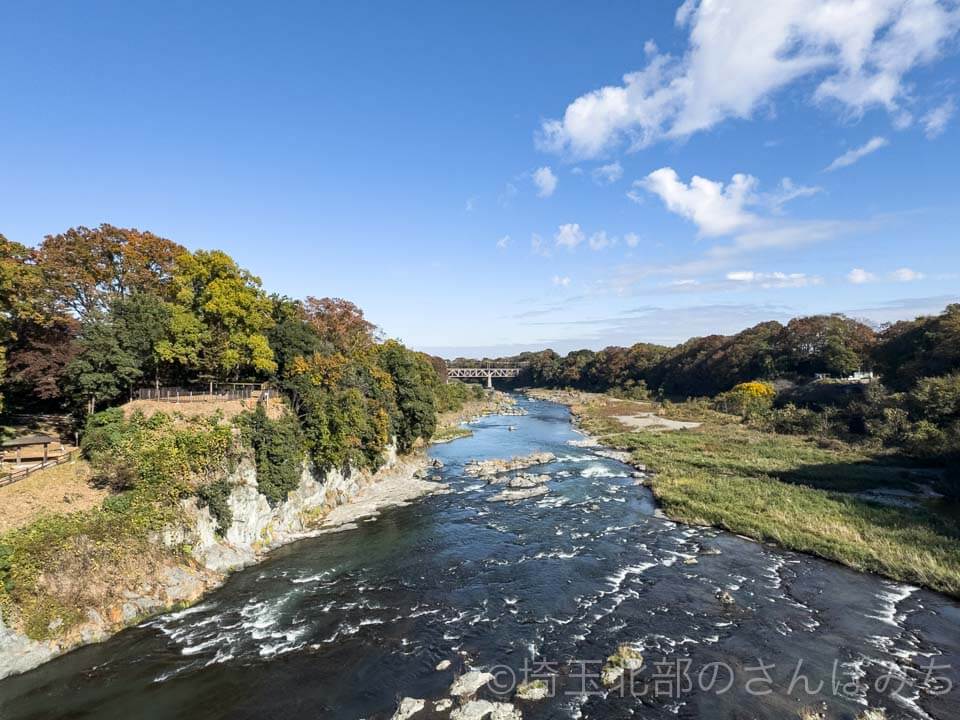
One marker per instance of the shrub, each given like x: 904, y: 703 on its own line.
x: 278, y: 449
x: 215, y: 496
x: 749, y: 399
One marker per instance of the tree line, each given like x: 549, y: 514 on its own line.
x: 913, y: 404
x: 93, y: 313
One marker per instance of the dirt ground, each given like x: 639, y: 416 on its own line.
x: 649, y: 420
x: 207, y: 408
x: 62, y: 489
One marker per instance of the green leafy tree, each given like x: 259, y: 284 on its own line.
x: 415, y: 385
x: 220, y: 319
x: 291, y: 335
x: 142, y: 322
x: 103, y: 369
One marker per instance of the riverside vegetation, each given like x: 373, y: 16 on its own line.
x: 92, y: 313
x: 801, y: 492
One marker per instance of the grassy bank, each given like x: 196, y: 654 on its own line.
x: 797, y: 492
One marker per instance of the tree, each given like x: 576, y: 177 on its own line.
x: 103, y: 368
x: 291, y: 336
x: 142, y: 322
x: 914, y: 349
x: 220, y: 318
x: 85, y: 270
x: 37, y: 356
x: 415, y: 385
x: 19, y: 287
x: 340, y: 323
x: 832, y: 344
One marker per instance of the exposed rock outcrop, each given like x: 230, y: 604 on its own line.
x: 486, y: 710
x: 489, y: 468
x: 408, y: 708
x: 467, y: 684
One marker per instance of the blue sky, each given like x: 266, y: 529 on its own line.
x: 491, y: 177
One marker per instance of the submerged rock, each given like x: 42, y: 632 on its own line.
x: 725, y: 598
x: 486, y: 710
x: 467, y: 685
x: 408, y: 708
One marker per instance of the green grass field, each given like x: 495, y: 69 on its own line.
x: 794, y: 491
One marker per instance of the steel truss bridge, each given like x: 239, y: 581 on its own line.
x: 483, y: 372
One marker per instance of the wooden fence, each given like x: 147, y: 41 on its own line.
x: 188, y: 395
x: 16, y: 475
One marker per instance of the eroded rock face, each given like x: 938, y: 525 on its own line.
x: 256, y: 527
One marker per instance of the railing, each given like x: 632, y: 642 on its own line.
x: 16, y: 475
x: 188, y: 395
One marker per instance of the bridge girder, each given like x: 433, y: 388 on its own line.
x: 489, y: 373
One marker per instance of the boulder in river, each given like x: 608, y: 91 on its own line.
x: 408, y: 708
x: 518, y: 494
x: 488, y: 468
x: 626, y: 657
x: 533, y: 690
x: 725, y: 598
x: 486, y: 710
x: 443, y: 665
x: 467, y: 684
x: 527, y: 480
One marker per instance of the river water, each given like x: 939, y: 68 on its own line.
x: 343, y: 625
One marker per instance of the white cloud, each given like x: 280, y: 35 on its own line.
x: 509, y: 193
x: 774, y: 279
x: 608, y: 174
x: 935, y: 121
x: 716, y: 208
x: 857, y: 51
x: 788, y: 191
x: 859, y: 276
x: 599, y: 240
x: 906, y: 275
x: 569, y: 236
x: 538, y: 246
x: 503, y: 242
x: 545, y: 181
x: 471, y: 204
x: 852, y: 156
x: 561, y: 281
x: 631, y: 239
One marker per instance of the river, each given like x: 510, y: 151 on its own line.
x: 343, y: 625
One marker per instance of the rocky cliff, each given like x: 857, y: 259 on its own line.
x: 205, y: 556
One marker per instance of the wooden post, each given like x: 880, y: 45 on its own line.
x: 45, y: 446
